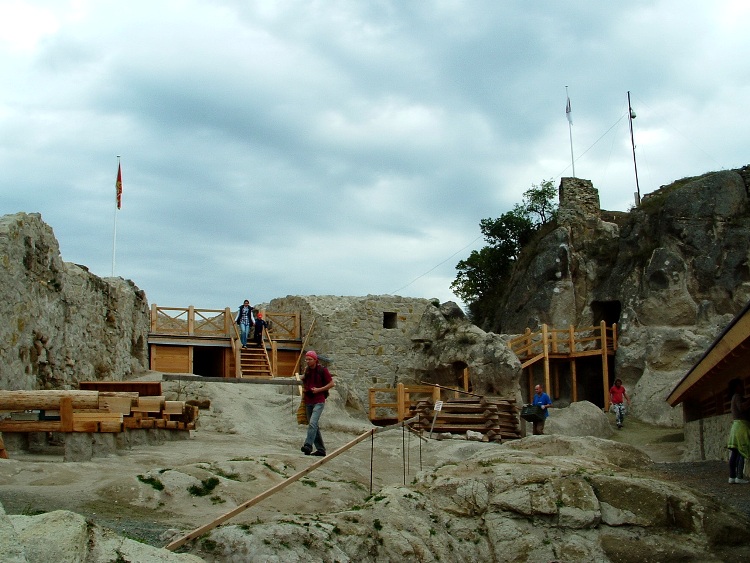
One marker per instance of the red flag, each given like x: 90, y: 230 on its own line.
x: 118, y: 186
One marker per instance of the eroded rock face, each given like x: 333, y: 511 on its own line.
x: 60, y: 323
x: 543, y: 498
x: 671, y: 273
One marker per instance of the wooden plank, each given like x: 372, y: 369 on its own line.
x: 117, y: 404
x: 30, y: 426
x: 200, y: 378
x: 111, y: 426
x: 174, y: 407
x: 46, y: 399
x: 143, y: 388
x: 85, y: 425
x: 98, y: 416
x: 149, y: 404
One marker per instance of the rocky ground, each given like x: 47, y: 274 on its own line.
x: 246, y: 442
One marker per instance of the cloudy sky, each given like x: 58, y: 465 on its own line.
x: 274, y: 147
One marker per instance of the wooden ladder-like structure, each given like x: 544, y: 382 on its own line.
x: 254, y: 362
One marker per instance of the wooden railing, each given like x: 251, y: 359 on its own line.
x: 400, y: 401
x: 566, y: 344
x: 571, y: 342
x: 189, y: 321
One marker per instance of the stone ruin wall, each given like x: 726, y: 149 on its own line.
x: 349, y: 333
x: 61, y: 324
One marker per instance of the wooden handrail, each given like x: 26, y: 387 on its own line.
x: 304, y: 345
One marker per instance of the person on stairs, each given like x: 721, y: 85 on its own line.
x: 260, y: 324
x: 316, y: 381
x: 245, y: 321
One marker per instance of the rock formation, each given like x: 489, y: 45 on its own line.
x: 545, y: 498
x: 61, y: 323
x: 671, y: 273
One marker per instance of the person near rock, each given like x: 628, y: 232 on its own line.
x: 260, y: 324
x: 245, y: 321
x: 316, y: 381
x: 616, y: 395
x: 541, y: 399
x: 739, y: 435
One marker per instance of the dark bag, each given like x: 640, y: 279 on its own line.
x: 532, y: 413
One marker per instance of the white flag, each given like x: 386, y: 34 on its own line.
x: 568, y: 112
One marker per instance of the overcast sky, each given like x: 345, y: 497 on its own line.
x: 274, y: 148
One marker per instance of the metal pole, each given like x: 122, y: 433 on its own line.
x: 570, y: 132
x: 631, y: 115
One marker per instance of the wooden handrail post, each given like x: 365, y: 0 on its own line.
x: 228, y: 322
x: 191, y: 320
x: 154, y: 314
x: 400, y: 399
x: 605, y: 364
x: 545, y: 344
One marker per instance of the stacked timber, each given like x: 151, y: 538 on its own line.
x: 91, y: 411
x: 495, y: 418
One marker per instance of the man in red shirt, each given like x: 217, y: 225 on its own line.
x: 316, y: 383
x: 616, y: 395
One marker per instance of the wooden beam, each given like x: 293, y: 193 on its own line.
x: 48, y: 400
x: 202, y: 379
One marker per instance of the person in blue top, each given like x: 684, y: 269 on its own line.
x: 541, y: 399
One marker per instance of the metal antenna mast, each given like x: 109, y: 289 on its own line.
x: 631, y: 117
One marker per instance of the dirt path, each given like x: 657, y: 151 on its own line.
x: 665, y: 447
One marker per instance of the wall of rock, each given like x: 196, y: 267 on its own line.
x: 380, y: 340
x: 671, y: 273
x: 61, y: 324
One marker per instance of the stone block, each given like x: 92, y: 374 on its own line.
x: 79, y: 446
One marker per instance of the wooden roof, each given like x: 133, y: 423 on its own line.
x: 728, y: 357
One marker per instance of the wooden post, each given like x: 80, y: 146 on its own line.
x: 466, y: 379
x: 573, y: 380
x: 545, y: 344
x: 228, y: 321
x: 605, y: 365
x: 154, y: 316
x: 400, y: 399
x: 66, y: 414
x: 191, y: 320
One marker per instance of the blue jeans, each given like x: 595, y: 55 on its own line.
x: 244, y: 331
x: 619, y: 409
x: 313, y: 429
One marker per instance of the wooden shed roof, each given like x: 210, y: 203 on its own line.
x: 726, y: 358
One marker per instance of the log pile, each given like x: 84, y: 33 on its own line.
x: 495, y: 418
x: 91, y: 411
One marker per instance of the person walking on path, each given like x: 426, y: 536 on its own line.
x: 739, y: 435
x: 616, y: 395
x: 245, y: 321
x: 316, y: 382
x: 541, y: 399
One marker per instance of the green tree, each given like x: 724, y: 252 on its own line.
x: 483, y: 275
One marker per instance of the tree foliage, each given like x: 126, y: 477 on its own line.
x: 482, y: 277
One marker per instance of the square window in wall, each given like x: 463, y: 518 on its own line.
x: 390, y: 320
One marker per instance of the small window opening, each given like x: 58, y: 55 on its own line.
x: 390, y: 320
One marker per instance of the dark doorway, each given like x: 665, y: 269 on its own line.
x: 607, y: 311
x: 208, y: 361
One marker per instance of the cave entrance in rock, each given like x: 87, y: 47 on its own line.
x: 607, y: 311
x: 454, y: 375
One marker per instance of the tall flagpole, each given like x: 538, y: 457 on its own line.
x: 118, y: 199
x: 569, y: 115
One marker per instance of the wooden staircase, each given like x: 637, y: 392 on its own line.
x: 254, y: 362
